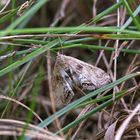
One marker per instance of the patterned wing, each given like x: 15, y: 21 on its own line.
x: 70, y: 72
x: 62, y: 86
x: 88, y: 77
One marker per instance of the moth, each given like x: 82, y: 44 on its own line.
x: 71, y: 73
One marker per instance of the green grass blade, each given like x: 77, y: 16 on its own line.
x: 131, y: 14
x: 128, y: 22
x: 91, y: 29
x: 88, y: 114
x: 13, y: 92
x: 96, y: 47
x: 29, y: 13
x: 107, y: 11
x: 8, y: 16
x: 29, y: 57
x: 74, y: 104
x: 97, y: 100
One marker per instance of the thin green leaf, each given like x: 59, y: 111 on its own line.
x: 107, y: 11
x: 88, y: 114
x: 29, y: 57
x: 91, y: 29
x: 128, y: 22
x: 27, y: 14
x: 131, y: 14
x: 74, y: 104
x: 96, y: 47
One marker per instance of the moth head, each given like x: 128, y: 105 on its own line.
x: 61, y: 61
x: 60, y: 56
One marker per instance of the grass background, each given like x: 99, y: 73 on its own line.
x: 102, y: 33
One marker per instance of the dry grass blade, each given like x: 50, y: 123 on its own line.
x: 86, y: 109
x: 126, y: 123
x: 21, y: 104
x: 15, y: 128
x: 6, y: 2
x: 110, y: 133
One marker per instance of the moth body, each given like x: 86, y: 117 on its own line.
x: 70, y: 72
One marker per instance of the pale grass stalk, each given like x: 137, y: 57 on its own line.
x: 126, y: 123
x: 6, y: 2
x: 21, y: 104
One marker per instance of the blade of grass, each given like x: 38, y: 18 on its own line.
x: 13, y: 92
x: 97, y: 100
x: 106, y: 12
x: 27, y: 14
x: 43, y: 42
x: 95, y: 47
x: 74, y: 104
x: 33, y: 104
x: 128, y: 22
x: 14, y: 8
x: 29, y: 57
x: 93, y: 29
x: 88, y: 114
x: 131, y: 14
x: 8, y: 16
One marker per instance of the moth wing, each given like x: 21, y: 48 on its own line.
x: 57, y: 87
x: 82, y: 81
x: 90, y: 77
x: 62, y: 87
x: 96, y: 75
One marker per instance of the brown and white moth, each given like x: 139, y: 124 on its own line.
x: 70, y: 73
